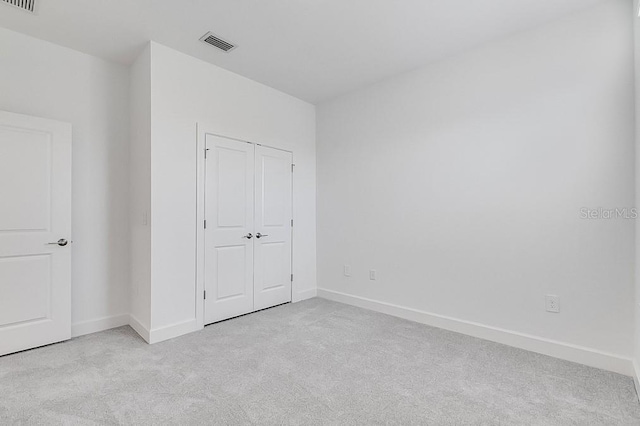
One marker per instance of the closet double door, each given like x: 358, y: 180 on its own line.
x: 248, y: 213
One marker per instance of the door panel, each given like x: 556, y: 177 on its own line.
x: 26, y: 158
x: 274, y: 273
x: 233, y: 190
x: 230, y: 267
x: 35, y: 189
x: 27, y: 279
x: 229, y: 214
x: 272, y: 278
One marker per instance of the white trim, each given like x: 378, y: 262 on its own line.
x: 242, y: 140
x: 174, y: 330
x: 99, y: 324
x: 304, y: 295
x: 139, y: 328
x: 636, y: 378
x: 200, y: 217
x: 580, y: 354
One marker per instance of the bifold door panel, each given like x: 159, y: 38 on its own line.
x: 35, y: 271
x: 248, y: 228
x: 229, y: 206
x: 272, y: 279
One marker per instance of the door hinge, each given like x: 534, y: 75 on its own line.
x: 205, y: 295
x: 205, y: 153
x: 291, y: 277
x: 205, y: 224
x: 292, y: 223
x: 292, y: 168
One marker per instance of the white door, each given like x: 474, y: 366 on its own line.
x: 35, y: 213
x: 272, y: 277
x: 229, y: 228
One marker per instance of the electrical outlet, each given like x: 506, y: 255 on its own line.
x: 552, y: 303
x: 347, y: 270
x: 373, y: 275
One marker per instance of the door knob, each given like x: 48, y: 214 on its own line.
x: 259, y: 235
x: 61, y: 242
x: 248, y: 236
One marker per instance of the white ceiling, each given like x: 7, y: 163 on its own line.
x: 312, y: 49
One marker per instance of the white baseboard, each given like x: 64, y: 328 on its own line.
x: 99, y: 324
x: 304, y: 295
x: 556, y: 349
x: 139, y: 328
x: 174, y: 330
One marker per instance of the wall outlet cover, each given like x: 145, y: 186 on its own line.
x: 347, y: 270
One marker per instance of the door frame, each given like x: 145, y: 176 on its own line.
x: 202, y: 130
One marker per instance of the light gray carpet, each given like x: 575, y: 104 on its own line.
x: 315, y: 362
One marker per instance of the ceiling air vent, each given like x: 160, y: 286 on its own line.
x: 28, y: 5
x: 215, y: 41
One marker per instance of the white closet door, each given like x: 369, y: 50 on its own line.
x: 35, y: 213
x: 229, y: 206
x: 272, y: 277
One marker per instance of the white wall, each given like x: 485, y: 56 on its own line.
x: 461, y: 183
x: 184, y: 91
x: 42, y: 79
x: 140, y: 193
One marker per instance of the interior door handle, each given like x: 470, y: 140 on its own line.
x: 61, y: 242
x: 259, y: 235
x: 248, y: 236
